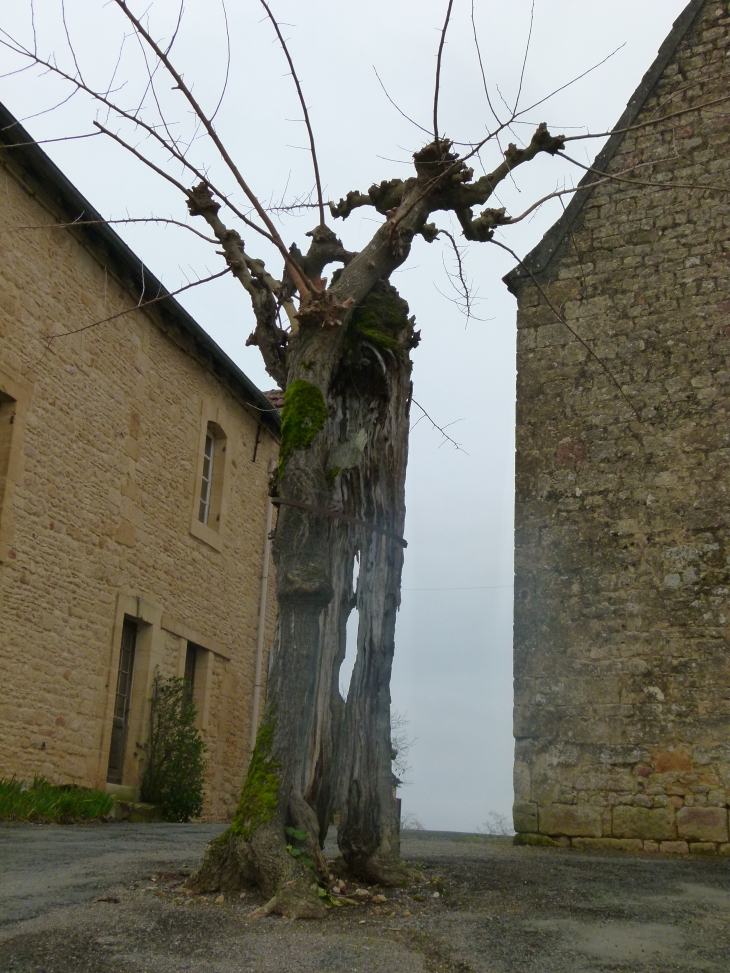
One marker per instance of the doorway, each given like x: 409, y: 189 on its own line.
x: 122, y: 699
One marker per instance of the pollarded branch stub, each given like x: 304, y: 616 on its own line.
x: 384, y: 196
x: 435, y: 159
x: 542, y: 141
x: 326, y: 248
x: 481, y: 229
x: 429, y: 232
x: 200, y: 201
x: 324, y: 312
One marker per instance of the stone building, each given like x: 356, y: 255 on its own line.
x: 622, y: 587
x: 134, y: 462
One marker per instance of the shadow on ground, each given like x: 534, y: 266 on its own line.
x: 110, y: 899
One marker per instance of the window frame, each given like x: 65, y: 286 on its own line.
x: 213, y: 423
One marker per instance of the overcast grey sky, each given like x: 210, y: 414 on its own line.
x: 453, y: 669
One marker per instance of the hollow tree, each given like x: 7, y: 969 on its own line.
x: 343, y: 361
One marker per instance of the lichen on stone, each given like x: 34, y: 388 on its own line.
x: 260, y: 793
x: 304, y: 413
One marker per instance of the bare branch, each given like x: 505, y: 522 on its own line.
x: 399, y: 110
x: 304, y: 286
x: 524, y: 62
x: 140, y: 306
x: 142, y: 158
x: 481, y: 64
x: 228, y: 61
x: 136, y: 120
x: 438, y: 72
x: 303, y: 103
x: 68, y: 39
x: 130, y: 219
x: 441, y: 429
x: 561, y: 319
x: 651, y: 121
x: 429, y: 233
x: 64, y: 138
x: 568, y: 84
x: 643, y: 182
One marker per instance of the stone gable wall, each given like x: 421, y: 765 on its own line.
x: 97, y: 517
x: 622, y: 588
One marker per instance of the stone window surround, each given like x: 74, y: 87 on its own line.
x: 152, y: 624
x: 19, y: 390
x: 215, y: 415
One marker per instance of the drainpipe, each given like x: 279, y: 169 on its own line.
x: 262, y: 619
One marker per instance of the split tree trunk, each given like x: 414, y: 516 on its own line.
x: 315, y: 754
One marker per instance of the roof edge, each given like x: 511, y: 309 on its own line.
x: 536, y: 262
x: 60, y: 192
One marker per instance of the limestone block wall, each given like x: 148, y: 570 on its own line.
x: 622, y: 587
x: 97, y: 503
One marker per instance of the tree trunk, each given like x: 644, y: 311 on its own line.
x: 369, y: 832
x: 344, y: 447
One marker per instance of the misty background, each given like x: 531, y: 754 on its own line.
x: 453, y: 668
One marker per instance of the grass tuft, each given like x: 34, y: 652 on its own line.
x: 42, y: 801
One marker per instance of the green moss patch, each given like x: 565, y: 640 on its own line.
x: 304, y: 413
x: 260, y: 793
x: 381, y: 317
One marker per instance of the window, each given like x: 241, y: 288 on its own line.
x: 209, y: 499
x: 7, y: 421
x: 191, y: 657
x: 207, y: 478
x: 122, y: 699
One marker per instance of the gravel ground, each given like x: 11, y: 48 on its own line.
x: 109, y: 899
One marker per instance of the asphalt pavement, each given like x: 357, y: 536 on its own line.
x: 112, y: 899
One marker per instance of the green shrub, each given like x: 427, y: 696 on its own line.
x: 42, y: 801
x: 175, y: 764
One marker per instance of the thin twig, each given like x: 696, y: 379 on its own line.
x: 142, y: 158
x: 441, y: 429
x: 228, y: 62
x: 438, y: 73
x: 130, y: 219
x: 652, y: 121
x: 399, y: 110
x: 68, y: 39
x: 465, y: 287
x: 64, y: 138
x: 141, y: 305
x: 180, y: 12
x: 524, y: 62
x: 303, y: 103
x: 561, y: 319
x: 643, y: 182
x: 481, y: 64
x: 568, y: 84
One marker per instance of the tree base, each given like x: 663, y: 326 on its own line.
x: 232, y: 863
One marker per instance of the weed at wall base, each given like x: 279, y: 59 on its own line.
x: 50, y: 803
